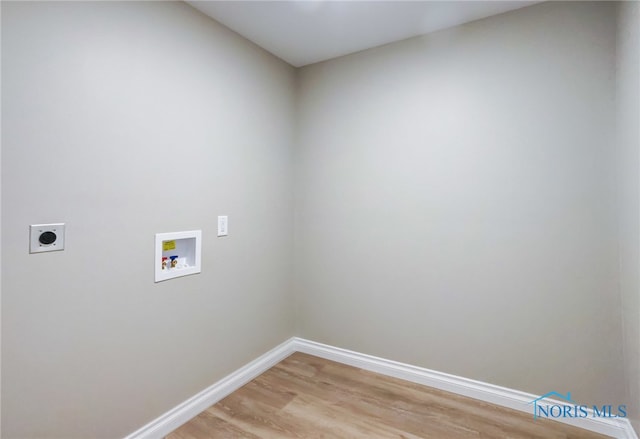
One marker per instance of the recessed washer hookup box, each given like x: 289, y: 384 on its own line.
x: 177, y: 254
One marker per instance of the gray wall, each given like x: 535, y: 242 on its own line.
x: 124, y: 119
x: 455, y: 204
x: 628, y: 116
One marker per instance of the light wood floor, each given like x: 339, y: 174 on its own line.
x: 308, y: 397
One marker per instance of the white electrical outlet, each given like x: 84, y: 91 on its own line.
x: 223, y: 225
x: 46, y: 237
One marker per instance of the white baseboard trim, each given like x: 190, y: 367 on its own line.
x: 618, y: 428
x: 174, y: 418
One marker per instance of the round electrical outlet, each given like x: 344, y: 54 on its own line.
x: 47, y: 238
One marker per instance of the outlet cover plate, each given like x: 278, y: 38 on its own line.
x: 223, y: 225
x: 46, y: 237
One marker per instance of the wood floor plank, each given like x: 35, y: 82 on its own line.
x: 309, y: 397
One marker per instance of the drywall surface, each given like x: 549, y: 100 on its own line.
x: 455, y: 204
x: 124, y: 119
x: 628, y: 117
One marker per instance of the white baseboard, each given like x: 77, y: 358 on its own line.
x: 618, y: 428
x: 182, y: 413
x: 513, y: 399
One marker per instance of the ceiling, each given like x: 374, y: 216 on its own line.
x: 308, y: 31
